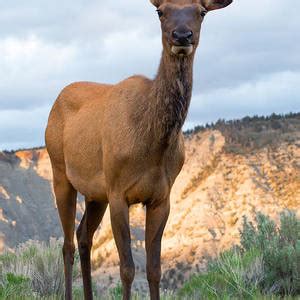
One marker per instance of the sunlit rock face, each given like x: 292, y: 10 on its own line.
x: 230, y: 171
x: 38, y: 160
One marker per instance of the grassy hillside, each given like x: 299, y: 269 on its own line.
x: 266, y: 265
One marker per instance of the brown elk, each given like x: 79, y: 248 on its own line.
x: 122, y: 144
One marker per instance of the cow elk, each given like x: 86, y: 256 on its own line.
x: 122, y: 144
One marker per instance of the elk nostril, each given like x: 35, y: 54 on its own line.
x: 189, y: 34
x: 175, y: 34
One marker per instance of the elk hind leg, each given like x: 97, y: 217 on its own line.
x: 66, y: 205
x: 92, y: 217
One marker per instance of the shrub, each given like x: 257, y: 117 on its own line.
x: 280, y: 249
x: 40, y: 264
x: 266, y: 263
x: 231, y: 275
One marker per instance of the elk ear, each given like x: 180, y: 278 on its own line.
x: 215, y: 4
x: 156, y: 3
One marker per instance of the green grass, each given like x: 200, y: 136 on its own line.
x: 34, y: 269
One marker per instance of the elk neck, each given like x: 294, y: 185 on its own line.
x: 171, y: 93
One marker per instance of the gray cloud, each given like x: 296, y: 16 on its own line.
x: 248, y: 61
x: 22, y: 128
x: 278, y: 92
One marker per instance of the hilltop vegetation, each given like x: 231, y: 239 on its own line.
x: 252, y: 133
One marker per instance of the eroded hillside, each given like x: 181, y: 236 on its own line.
x: 231, y: 170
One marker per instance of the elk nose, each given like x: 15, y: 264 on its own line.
x: 182, y: 37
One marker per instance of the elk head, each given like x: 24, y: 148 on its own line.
x: 181, y: 22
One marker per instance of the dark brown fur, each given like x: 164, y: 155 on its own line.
x: 172, y: 90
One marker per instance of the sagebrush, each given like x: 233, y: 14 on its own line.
x: 266, y: 264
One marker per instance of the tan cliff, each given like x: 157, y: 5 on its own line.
x: 230, y: 171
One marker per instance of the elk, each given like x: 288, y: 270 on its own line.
x: 122, y: 144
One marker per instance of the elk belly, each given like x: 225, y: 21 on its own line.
x: 151, y: 187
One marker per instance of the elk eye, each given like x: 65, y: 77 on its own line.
x: 203, y: 13
x: 159, y: 12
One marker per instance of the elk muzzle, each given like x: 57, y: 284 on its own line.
x: 182, y: 42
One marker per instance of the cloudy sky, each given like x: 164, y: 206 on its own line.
x: 248, y: 61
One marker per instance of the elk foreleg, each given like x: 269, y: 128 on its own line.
x: 156, y: 219
x: 119, y: 213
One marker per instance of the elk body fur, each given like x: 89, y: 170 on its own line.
x: 122, y: 144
